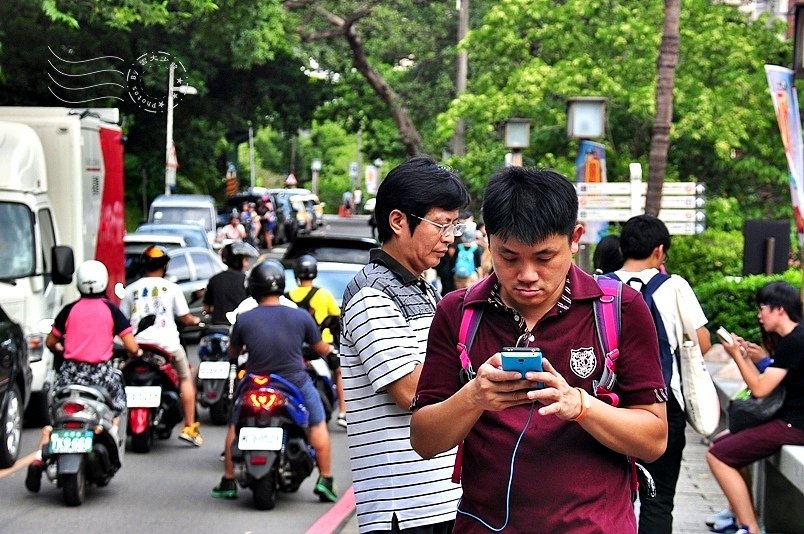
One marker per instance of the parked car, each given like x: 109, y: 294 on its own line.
x: 194, y: 235
x: 15, y: 388
x: 333, y: 248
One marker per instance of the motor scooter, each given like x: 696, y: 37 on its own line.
x: 84, y: 446
x: 216, y: 378
x: 271, y: 451
x: 152, y: 397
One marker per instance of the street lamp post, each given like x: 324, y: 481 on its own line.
x: 315, y: 167
x: 170, y: 149
x: 517, y: 137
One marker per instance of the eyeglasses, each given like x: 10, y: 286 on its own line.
x: 447, y: 230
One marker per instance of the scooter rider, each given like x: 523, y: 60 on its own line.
x: 227, y: 289
x: 153, y: 294
x: 326, y: 313
x: 278, y: 349
x: 84, y: 331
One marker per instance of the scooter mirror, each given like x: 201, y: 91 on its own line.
x: 119, y: 291
x: 43, y: 326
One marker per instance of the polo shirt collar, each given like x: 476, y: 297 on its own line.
x: 378, y: 255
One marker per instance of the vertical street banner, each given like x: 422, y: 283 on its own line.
x: 590, y: 167
x: 785, y: 103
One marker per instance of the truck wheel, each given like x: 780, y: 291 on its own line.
x: 74, y: 486
x: 11, y: 428
x: 219, y: 412
x: 264, y: 491
x: 142, y: 442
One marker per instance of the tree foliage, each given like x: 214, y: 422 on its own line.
x: 528, y: 56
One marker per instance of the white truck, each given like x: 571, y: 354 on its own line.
x: 61, y: 203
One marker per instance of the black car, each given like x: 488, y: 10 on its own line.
x: 15, y: 388
x: 333, y: 248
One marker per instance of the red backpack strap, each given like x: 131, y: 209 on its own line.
x: 607, y: 324
x: 470, y: 320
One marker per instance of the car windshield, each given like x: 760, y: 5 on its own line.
x: 185, y: 215
x: 335, y: 281
x: 192, y: 237
x: 16, y: 241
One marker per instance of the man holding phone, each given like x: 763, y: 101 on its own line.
x: 561, y: 435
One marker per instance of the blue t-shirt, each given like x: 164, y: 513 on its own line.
x: 273, y: 336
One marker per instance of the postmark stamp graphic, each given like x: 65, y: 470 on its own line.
x: 80, y: 81
x: 147, y: 81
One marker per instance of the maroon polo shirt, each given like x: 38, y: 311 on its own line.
x: 563, y: 479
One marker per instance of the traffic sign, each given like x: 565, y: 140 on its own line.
x: 624, y: 188
x: 610, y: 201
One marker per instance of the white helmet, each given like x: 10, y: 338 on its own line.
x: 91, y: 278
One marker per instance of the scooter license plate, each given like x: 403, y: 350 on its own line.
x: 260, y: 439
x: 63, y: 441
x: 143, y: 396
x: 213, y: 370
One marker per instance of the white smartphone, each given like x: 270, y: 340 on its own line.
x: 725, y: 336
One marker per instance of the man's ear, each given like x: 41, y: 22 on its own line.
x: 398, y: 222
x: 575, y: 240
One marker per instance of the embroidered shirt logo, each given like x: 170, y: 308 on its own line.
x: 583, y: 361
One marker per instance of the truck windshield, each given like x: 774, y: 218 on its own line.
x: 16, y: 241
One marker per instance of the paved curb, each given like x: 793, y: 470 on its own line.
x: 334, y: 520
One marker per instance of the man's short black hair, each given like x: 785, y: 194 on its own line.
x: 414, y: 188
x: 641, y: 235
x: 781, y: 295
x: 529, y: 205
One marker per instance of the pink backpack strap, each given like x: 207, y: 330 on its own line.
x: 607, y: 324
x: 470, y: 321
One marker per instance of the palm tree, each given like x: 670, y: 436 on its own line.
x: 660, y: 140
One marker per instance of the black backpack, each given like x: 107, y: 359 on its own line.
x: 647, y: 290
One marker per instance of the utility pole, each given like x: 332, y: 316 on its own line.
x: 459, y: 141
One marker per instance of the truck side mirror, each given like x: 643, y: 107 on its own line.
x: 63, y: 263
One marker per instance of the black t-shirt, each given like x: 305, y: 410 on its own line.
x: 224, y: 292
x: 789, y: 354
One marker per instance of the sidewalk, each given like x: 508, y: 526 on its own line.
x: 697, y: 492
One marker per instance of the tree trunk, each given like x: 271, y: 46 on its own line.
x: 660, y: 140
x: 346, y: 27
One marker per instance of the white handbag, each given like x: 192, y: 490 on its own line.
x: 701, y: 402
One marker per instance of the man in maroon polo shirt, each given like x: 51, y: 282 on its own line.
x: 551, y: 459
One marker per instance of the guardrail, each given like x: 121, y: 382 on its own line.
x: 778, y: 481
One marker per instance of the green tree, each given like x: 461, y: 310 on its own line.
x: 528, y: 56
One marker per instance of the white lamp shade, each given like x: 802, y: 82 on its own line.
x: 586, y: 117
x: 517, y: 133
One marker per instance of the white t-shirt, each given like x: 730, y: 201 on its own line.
x: 163, y: 298
x: 665, y: 299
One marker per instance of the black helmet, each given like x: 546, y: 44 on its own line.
x: 154, y: 258
x: 267, y: 277
x: 305, y: 267
x: 233, y: 254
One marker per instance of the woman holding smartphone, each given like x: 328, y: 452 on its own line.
x: 779, y: 317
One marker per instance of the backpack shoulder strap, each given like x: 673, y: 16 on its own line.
x: 305, y: 302
x: 608, y: 320
x: 607, y: 325
x: 470, y: 321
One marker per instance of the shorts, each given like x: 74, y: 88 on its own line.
x: 94, y: 374
x: 181, y: 364
x: 755, y: 443
x: 312, y: 400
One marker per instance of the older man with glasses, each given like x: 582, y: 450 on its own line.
x: 386, y: 315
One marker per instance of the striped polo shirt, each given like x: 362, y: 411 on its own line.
x: 385, y: 322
